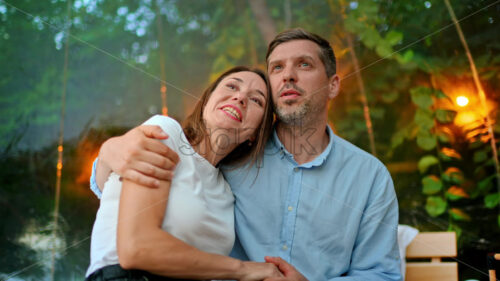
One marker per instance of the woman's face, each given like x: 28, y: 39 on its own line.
x: 237, y: 105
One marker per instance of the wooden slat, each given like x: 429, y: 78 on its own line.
x: 424, y: 271
x: 433, y: 244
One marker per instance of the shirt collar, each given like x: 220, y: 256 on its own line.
x: 318, y: 161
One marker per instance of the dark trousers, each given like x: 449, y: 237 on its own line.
x: 116, y: 273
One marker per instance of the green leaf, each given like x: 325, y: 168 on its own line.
x: 423, y: 118
x: 384, y: 50
x: 435, y: 206
x: 397, y: 139
x: 426, y: 141
x: 445, y: 116
x: 448, y: 154
x: 486, y: 184
x: 431, y: 185
x: 440, y: 95
x: 458, y: 214
x: 370, y: 37
x: 455, y: 192
x: 406, y: 57
x: 443, y: 137
x: 492, y: 200
x: 480, y: 156
x: 389, y: 97
x: 453, y: 175
x: 421, y: 96
x: 425, y: 162
x: 393, y: 37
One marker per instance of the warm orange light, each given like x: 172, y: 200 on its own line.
x: 462, y: 101
x: 59, y: 166
x: 60, y: 148
x: 466, y: 117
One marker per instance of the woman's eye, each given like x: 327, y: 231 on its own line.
x: 305, y: 64
x: 231, y: 86
x: 277, y: 67
x: 257, y: 101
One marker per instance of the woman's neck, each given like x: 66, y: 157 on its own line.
x: 215, y: 147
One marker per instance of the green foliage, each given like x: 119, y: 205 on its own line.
x: 445, y: 116
x: 431, y: 185
x: 413, y: 118
x: 421, y: 97
x: 426, y: 141
x: 455, y: 193
x: 435, y: 206
x: 492, y: 200
x: 459, y: 215
x: 425, y: 162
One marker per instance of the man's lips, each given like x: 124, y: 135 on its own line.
x: 232, y: 111
x: 290, y: 94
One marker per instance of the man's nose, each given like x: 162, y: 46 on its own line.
x: 289, y: 75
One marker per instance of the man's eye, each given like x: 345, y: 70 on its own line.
x: 305, y: 64
x: 277, y: 67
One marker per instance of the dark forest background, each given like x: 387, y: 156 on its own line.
x: 402, y: 67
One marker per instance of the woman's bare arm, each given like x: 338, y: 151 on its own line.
x: 142, y: 244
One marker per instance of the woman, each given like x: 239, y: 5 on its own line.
x: 185, y: 228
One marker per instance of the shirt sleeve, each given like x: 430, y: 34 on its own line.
x: 168, y: 125
x: 93, y: 182
x: 376, y: 256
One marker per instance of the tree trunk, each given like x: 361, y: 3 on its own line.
x: 265, y: 23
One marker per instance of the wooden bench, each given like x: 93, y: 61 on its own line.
x: 432, y: 246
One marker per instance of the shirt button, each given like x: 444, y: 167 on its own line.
x: 296, y: 169
x: 290, y: 208
x: 285, y: 247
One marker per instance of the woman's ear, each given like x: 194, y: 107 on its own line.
x: 251, y: 140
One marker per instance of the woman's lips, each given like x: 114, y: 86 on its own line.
x: 232, y: 111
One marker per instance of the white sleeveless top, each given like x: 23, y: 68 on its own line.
x: 200, y: 209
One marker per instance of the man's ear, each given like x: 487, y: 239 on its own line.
x: 333, y: 86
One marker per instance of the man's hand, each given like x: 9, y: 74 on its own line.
x: 139, y: 157
x: 289, y: 272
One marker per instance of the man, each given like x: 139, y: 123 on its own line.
x: 324, y: 208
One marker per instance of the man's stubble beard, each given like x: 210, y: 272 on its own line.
x: 297, y: 117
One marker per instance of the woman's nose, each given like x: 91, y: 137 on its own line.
x: 241, y: 97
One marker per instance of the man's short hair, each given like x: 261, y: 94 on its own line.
x: 326, y: 52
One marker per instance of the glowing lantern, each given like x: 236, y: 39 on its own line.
x: 462, y: 101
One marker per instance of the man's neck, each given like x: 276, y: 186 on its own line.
x: 305, y: 142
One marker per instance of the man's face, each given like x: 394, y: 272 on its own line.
x: 301, y: 88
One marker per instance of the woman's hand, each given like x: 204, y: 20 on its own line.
x: 257, y: 271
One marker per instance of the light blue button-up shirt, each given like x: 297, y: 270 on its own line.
x: 334, y: 216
